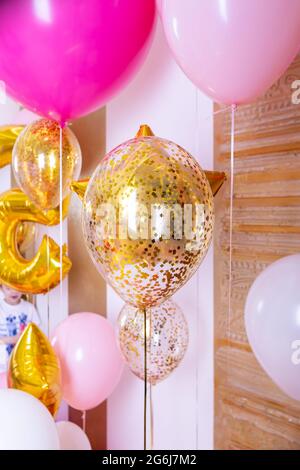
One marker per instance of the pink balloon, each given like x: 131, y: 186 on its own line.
x: 64, y: 59
x: 233, y: 50
x: 159, y: 6
x: 3, y: 380
x: 91, y: 363
x: 272, y: 317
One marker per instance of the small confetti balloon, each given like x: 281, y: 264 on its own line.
x: 167, y: 339
x: 36, y: 162
x: 148, y: 216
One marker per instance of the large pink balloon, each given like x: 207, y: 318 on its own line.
x: 233, y: 50
x: 272, y: 317
x: 91, y: 363
x: 64, y: 58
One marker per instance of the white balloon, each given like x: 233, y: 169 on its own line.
x: 272, y: 317
x: 72, y: 437
x: 25, y: 423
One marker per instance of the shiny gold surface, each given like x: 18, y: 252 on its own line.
x: 8, y: 137
x: 42, y: 272
x: 216, y: 180
x: 25, y: 236
x: 79, y: 187
x: 139, y: 175
x: 34, y: 368
x: 36, y: 162
x: 144, y: 131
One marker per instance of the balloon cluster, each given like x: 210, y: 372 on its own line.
x: 148, y: 209
x: 83, y: 365
x: 148, y: 215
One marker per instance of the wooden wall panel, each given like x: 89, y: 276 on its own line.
x: 250, y: 411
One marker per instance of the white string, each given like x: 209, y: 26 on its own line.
x: 84, y: 421
x: 232, y: 149
x: 197, y: 295
x: 61, y: 213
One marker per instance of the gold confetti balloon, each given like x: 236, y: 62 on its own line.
x: 148, y: 216
x: 36, y: 162
x: 34, y: 368
x: 167, y: 339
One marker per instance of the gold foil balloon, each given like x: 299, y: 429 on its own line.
x: 25, y: 236
x: 36, y: 162
x: 34, y: 368
x: 8, y: 136
x: 148, y: 215
x: 42, y: 272
x: 167, y: 339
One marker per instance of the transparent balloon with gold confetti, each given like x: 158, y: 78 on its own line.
x: 167, y: 338
x: 36, y: 162
x: 148, y: 217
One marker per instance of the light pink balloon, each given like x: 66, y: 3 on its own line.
x: 3, y: 380
x: 272, y: 317
x: 64, y: 59
x: 91, y: 363
x: 159, y: 5
x: 233, y: 50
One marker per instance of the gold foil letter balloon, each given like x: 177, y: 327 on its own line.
x: 8, y: 136
x: 167, y: 339
x: 42, y: 272
x: 36, y: 162
x: 148, y: 216
x: 34, y: 368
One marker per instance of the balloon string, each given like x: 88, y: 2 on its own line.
x: 84, y: 421
x: 197, y: 295
x: 232, y: 148
x: 233, y: 109
x: 145, y: 379
x: 215, y: 113
x: 61, y: 214
x: 151, y: 418
x: 150, y: 386
x: 48, y: 290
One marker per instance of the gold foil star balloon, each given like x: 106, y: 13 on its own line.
x: 148, y: 216
x: 167, y: 339
x: 34, y: 368
x: 36, y: 162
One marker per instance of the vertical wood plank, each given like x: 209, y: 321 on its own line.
x: 250, y: 410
